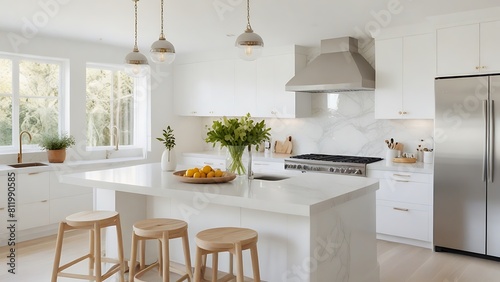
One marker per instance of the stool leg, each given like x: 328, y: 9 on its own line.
x: 120, y: 249
x: 166, y: 257
x: 133, y: 258
x: 239, y: 262
x: 187, y: 255
x: 98, y: 272
x: 91, y: 252
x: 255, y: 263
x: 57, y: 257
x: 160, y: 258
x: 215, y: 266
x: 197, y: 265
x: 142, y: 260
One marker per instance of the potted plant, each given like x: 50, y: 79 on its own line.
x: 56, y: 145
x: 238, y: 134
x: 167, y: 164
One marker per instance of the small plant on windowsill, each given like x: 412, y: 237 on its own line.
x: 168, y: 141
x: 56, y: 146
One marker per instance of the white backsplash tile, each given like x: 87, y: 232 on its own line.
x: 345, y: 124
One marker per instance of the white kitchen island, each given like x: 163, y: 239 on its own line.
x: 312, y: 226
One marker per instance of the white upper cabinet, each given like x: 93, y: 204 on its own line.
x: 468, y: 49
x: 405, y: 68
x: 204, y: 88
x: 274, y: 72
x: 235, y: 87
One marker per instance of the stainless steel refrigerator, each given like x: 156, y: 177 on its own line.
x: 466, y: 165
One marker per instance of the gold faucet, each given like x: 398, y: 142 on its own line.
x: 116, y: 137
x: 20, y: 155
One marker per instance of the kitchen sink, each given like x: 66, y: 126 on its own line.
x: 269, y: 177
x: 23, y: 165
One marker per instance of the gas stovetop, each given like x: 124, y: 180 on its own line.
x: 336, y: 164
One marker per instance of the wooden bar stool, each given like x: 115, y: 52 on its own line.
x: 92, y: 221
x: 162, y: 229
x: 226, y: 239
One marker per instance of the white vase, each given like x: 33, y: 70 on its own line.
x: 167, y: 161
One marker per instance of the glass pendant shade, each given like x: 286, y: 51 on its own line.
x: 162, y: 51
x: 136, y: 64
x: 249, y: 45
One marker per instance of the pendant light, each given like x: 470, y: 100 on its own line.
x: 136, y: 64
x: 162, y: 51
x: 249, y: 44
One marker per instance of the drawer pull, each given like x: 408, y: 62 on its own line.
x: 401, y: 209
x: 44, y: 201
x: 207, y: 163
x: 1, y: 209
x: 399, y: 180
x: 401, y: 175
x: 33, y: 173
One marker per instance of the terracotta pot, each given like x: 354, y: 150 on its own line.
x: 56, y: 156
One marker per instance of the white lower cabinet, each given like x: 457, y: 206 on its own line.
x: 41, y: 200
x: 404, y: 206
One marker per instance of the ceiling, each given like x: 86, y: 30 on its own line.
x: 196, y: 25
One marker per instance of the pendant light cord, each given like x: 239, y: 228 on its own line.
x: 161, y: 29
x: 135, y: 26
x: 249, y: 27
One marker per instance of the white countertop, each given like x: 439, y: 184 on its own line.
x: 418, y: 167
x: 302, y: 194
x: 69, y: 166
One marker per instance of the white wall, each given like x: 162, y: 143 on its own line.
x: 79, y: 53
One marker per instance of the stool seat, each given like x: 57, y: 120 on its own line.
x: 93, y: 221
x: 86, y: 218
x: 226, y: 239
x: 162, y: 229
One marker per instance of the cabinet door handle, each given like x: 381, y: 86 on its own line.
x: 401, y: 209
x: 1, y: 209
x: 483, y: 67
x: 401, y: 175
x: 44, y: 201
x: 477, y: 67
x: 33, y: 173
x: 207, y: 163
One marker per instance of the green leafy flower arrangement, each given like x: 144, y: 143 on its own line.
x: 237, y: 134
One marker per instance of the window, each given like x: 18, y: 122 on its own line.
x: 112, y: 108
x: 31, y: 98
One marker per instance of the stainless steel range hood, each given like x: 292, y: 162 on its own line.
x: 339, y: 68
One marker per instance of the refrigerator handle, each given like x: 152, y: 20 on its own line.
x: 485, y: 153
x: 491, y: 154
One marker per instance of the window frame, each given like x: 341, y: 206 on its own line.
x: 141, y: 111
x: 62, y: 98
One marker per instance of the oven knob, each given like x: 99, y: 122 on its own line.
x: 306, y: 167
x: 358, y: 171
x: 299, y: 166
x: 331, y: 169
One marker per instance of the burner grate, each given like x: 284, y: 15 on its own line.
x: 337, y: 158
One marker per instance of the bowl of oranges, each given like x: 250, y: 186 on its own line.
x: 204, y: 175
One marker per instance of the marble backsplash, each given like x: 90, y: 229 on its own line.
x: 345, y: 124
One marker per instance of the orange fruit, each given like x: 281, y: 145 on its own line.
x: 211, y: 174
x: 189, y: 173
x: 218, y: 173
x: 207, y: 169
x: 196, y: 175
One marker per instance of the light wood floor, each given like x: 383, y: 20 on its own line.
x: 398, y: 263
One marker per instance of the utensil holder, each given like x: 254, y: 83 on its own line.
x: 428, y: 157
x: 391, y: 154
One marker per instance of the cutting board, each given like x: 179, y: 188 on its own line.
x: 284, y: 147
